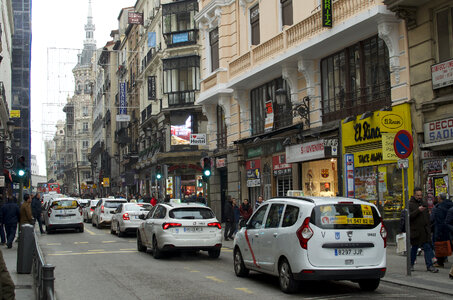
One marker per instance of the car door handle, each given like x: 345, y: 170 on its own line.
x: 257, y: 235
x: 275, y: 234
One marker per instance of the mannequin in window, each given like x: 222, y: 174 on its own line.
x: 326, y: 192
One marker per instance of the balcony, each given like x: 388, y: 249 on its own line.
x: 122, y: 137
x: 146, y: 113
x: 146, y: 61
x: 184, y: 98
x: 181, y: 38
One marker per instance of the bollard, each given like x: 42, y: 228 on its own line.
x: 25, y: 249
x: 48, y: 281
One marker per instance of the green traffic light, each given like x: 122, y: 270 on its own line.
x: 207, y: 172
x: 159, y: 176
x: 21, y: 173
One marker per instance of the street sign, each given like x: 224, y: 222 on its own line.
x: 403, y: 144
x: 403, y: 163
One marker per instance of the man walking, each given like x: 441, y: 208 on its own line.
x: 26, y: 216
x: 259, y: 202
x: 420, y: 230
x: 10, y: 216
x: 440, y: 231
x: 229, y: 220
x: 36, y: 210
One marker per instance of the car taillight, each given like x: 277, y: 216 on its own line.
x: 92, y: 209
x: 126, y: 216
x: 304, y: 233
x: 383, y: 233
x: 215, y: 224
x: 102, y: 209
x: 169, y: 225
x: 49, y: 212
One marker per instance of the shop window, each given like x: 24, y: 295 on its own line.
x: 284, y: 184
x: 181, y: 79
x: 287, y: 12
x: 320, y: 178
x: 182, y: 126
x: 255, y: 25
x: 214, y: 45
x: 355, y: 79
x: 264, y: 103
x: 179, y: 26
x: 444, y: 25
x: 221, y: 128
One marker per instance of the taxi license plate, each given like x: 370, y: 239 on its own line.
x: 193, y: 229
x: 348, y: 252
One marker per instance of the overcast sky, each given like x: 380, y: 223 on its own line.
x: 57, y: 37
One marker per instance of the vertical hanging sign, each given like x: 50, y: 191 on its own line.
x: 151, y: 87
x: 122, y: 112
x: 326, y: 6
x: 349, y: 175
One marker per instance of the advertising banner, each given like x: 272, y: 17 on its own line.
x: 438, y: 131
x: 442, y: 74
x: 135, y: 18
x: 349, y: 174
x: 123, y: 100
x: 326, y: 7
x: 304, y: 152
x: 151, y: 87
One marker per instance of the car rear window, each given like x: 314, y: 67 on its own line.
x: 345, y: 216
x: 191, y: 213
x: 64, y: 204
x: 112, y: 204
x: 136, y: 207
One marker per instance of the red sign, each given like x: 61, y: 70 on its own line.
x: 403, y: 144
x: 135, y: 18
x: 253, y: 164
x: 279, y: 162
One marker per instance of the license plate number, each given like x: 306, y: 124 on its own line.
x: 348, y: 252
x: 193, y: 229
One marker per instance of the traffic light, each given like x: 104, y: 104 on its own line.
x: 21, y: 169
x: 158, y: 173
x: 206, y: 168
x: 199, y: 183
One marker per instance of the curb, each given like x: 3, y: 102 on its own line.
x: 419, y: 286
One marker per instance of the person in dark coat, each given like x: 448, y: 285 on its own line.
x: 438, y: 216
x: 36, y: 210
x: 237, y: 215
x: 2, y: 231
x: 10, y: 217
x: 246, y: 210
x: 229, y: 220
x: 420, y: 233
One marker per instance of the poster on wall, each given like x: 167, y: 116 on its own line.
x: 349, y: 169
x: 440, y: 186
x: 181, y: 129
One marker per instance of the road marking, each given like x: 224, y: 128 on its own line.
x: 194, y: 271
x: 90, y: 232
x: 64, y: 251
x: 54, y: 244
x: 245, y: 290
x: 213, y: 278
x: 84, y: 253
x: 127, y: 249
x: 131, y: 241
x: 97, y: 250
x: 106, y: 242
x: 227, y: 250
x: 76, y: 243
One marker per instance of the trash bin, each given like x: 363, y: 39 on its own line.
x: 25, y: 249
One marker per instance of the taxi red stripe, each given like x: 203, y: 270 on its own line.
x: 251, y: 250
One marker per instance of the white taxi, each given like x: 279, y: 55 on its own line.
x: 127, y: 217
x: 313, y: 238
x: 174, y: 227
x: 104, y: 210
x: 63, y: 213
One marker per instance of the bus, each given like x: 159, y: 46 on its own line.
x: 44, y: 187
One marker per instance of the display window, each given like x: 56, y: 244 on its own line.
x: 284, y: 184
x: 319, y: 178
x: 383, y: 183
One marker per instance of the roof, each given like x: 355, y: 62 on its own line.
x: 320, y: 200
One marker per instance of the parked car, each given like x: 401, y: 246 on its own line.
x: 104, y: 210
x: 88, y: 210
x: 313, y: 238
x: 175, y: 227
x: 63, y: 213
x: 127, y: 217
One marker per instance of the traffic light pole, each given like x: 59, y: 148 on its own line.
x: 21, y: 190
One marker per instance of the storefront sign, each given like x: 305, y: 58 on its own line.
x: 368, y: 158
x: 198, y: 139
x: 254, y: 152
x: 184, y: 166
x: 426, y: 154
x: 152, y: 88
x: 388, y: 152
x: 326, y: 13
x: 180, y: 37
x: 438, y: 131
x: 123, y: 99
x: 279, y: 165
x: 253, y: 173
x: 305, y: 152
x: 135, y: 18
x: 269, y: 121
x: 442, y: 74
x: 432, y: 166
x: 106, y: 181
x: 14, y: 113
x: 392, y: 122
x: 220, y: 162
x: 349, y: 170
x: 365, y: 132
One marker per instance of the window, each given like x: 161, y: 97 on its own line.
x: 444, y: 23
x: 355, y: 80
x: 84, y: 144
x: 221, y: 128
x: 181, y: 79
x: 345, y: 216
x: 214, y: 44
x: 86, y: 175
x: 274, y: 216
x: 255, y: 24
x: 290, y: 216
x: 287, y: 12
x: 191, y: 213
x: 85, y: 111
x: 256, y: 222
x: 85, y: 126
x: 160, y: 212
x: 179, y: 26
x: 261, y: 107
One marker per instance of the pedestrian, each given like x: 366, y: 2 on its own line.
x: 201, y: 199
x: 167, y: 199
x: 420, y: 230
x: 26, y: 216
x: 441, y: 232
x: 6, y: 283
x: 2, y: 230
x: 259, y: 202
x: 245, y: 210
x: 36, y: 210
x: 153, y: 200
x: 449, y: 223
x: 229, y: 219
x: 237, y: 215
x: 10, y: 217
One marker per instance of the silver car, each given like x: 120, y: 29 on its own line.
x: 104, y: 210
x: 88, y: 210
x: 127, y: 217
x: 173, y: 227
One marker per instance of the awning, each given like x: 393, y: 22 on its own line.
x: 442, y: 145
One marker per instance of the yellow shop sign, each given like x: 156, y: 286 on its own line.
x: 391, y: 122
x: 369, y: 158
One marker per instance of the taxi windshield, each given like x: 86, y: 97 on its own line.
x: 345, y: 216
x: 64, y: 204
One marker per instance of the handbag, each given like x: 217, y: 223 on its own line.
x: 442, y: 248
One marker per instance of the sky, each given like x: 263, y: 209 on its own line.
x: 57, y: 37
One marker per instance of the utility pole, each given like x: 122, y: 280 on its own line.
x: 77, y: 169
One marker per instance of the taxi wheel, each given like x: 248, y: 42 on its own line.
x: 239, y: 266
x: 118, y: 230
x: 93, y: 223
x: 214, y: 253
x: 369, y: 285
x: 140, y: 246
x: 157, y: 253
x: 111, y: 229
x: 80, y: 229
x: 285, y: 277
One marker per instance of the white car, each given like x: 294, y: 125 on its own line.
x: 173, y: 227
x: 313, y: 238
x: 63, y: 213
x: 104, y: 210
x: 127, y: 217
x: 87, y: 211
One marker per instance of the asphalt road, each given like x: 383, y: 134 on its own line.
x: 98, y: 265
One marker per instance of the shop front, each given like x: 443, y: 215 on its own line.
x: 182, y: 181
x: 370, y: 164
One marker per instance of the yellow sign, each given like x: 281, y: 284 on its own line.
x: 388, y: 152
x: 14, y: 113
x: 360, y: 221
x: 94, y: 186
x: 368, y: 158
x: 106, y: 182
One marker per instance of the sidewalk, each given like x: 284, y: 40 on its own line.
x: 23, y: 282
x: 396, y: 272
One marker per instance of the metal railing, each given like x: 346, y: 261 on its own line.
x: 43, y: 275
